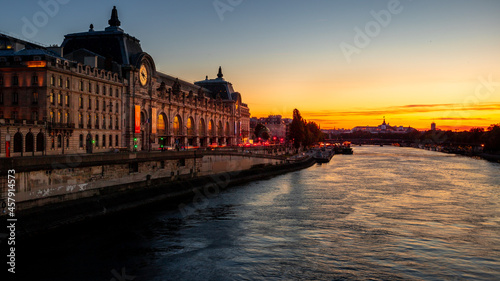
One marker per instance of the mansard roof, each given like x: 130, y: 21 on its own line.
x: 111, y: 43
x: 218, y: 87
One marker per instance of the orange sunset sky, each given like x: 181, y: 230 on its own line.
x: 342, y: 63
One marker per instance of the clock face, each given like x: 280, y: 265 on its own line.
x: 143, y: 75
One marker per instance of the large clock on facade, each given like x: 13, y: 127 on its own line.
x: 143, y: 75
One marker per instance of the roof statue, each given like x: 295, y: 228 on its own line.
x: 114, y: 21
x: 220, y: 75
x: 176, y: 87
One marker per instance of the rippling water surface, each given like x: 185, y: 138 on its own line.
x: 384, y: 213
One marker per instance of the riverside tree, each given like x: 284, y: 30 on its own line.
x: 302, y: 132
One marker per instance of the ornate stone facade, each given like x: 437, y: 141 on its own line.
x: 99, y: 91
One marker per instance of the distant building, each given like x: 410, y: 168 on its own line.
x: 383, y: 129
x: 331, y: 134
x: 276, y: 125
x: 433, y: 126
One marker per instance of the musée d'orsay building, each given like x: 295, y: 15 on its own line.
x: 99, y: 91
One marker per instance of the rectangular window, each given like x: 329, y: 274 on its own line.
x: 103, y: 141
x: 60, y: 82
x: 35, y: 98
x: 51, y: 97
x: 90, y: 103
x: 35, y: 80
x: 15, y: 80
x: 117, y: 108
x: 14, y: 115
x: 110, y: 141
x: 116, y: 141
x: 52, y: 81
x: 1, y: 80
x: 59, y: 99
x: 80, y: 102
x: 15, y: 98
x: 1, y: 98
x: 96, y: 140
x: 90, y: 87
x: 117, y: 94
x: 104, y: 90
x: 34, y: 115
x: 1, y: 114
x: 67, y: 83
x: 66, y: 99
x: 97, y: 88
x: 96, y: 104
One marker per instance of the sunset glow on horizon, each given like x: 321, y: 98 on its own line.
x: 414, y: 62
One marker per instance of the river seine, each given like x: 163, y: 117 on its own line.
x: 384, y: 213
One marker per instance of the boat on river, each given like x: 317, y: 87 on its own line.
x: 323, y: 155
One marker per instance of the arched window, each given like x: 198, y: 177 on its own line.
x: 201, y: 128
x: 59, y: 141
x: 211, y: 128
x: 161, y: 122
x: 110, y: 141
x: 40, y: 142
x: 219, y: 129
x: 29, y: 142
x: 18, y: 142
x: 104, y: 141
x: 190, y: 126
x: 117, y: 143
x: 226, y: 129
x: 81, y: 140
x: 96, y: 140
x: 177, y: 125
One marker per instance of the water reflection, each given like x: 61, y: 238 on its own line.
x: 384, y: 213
